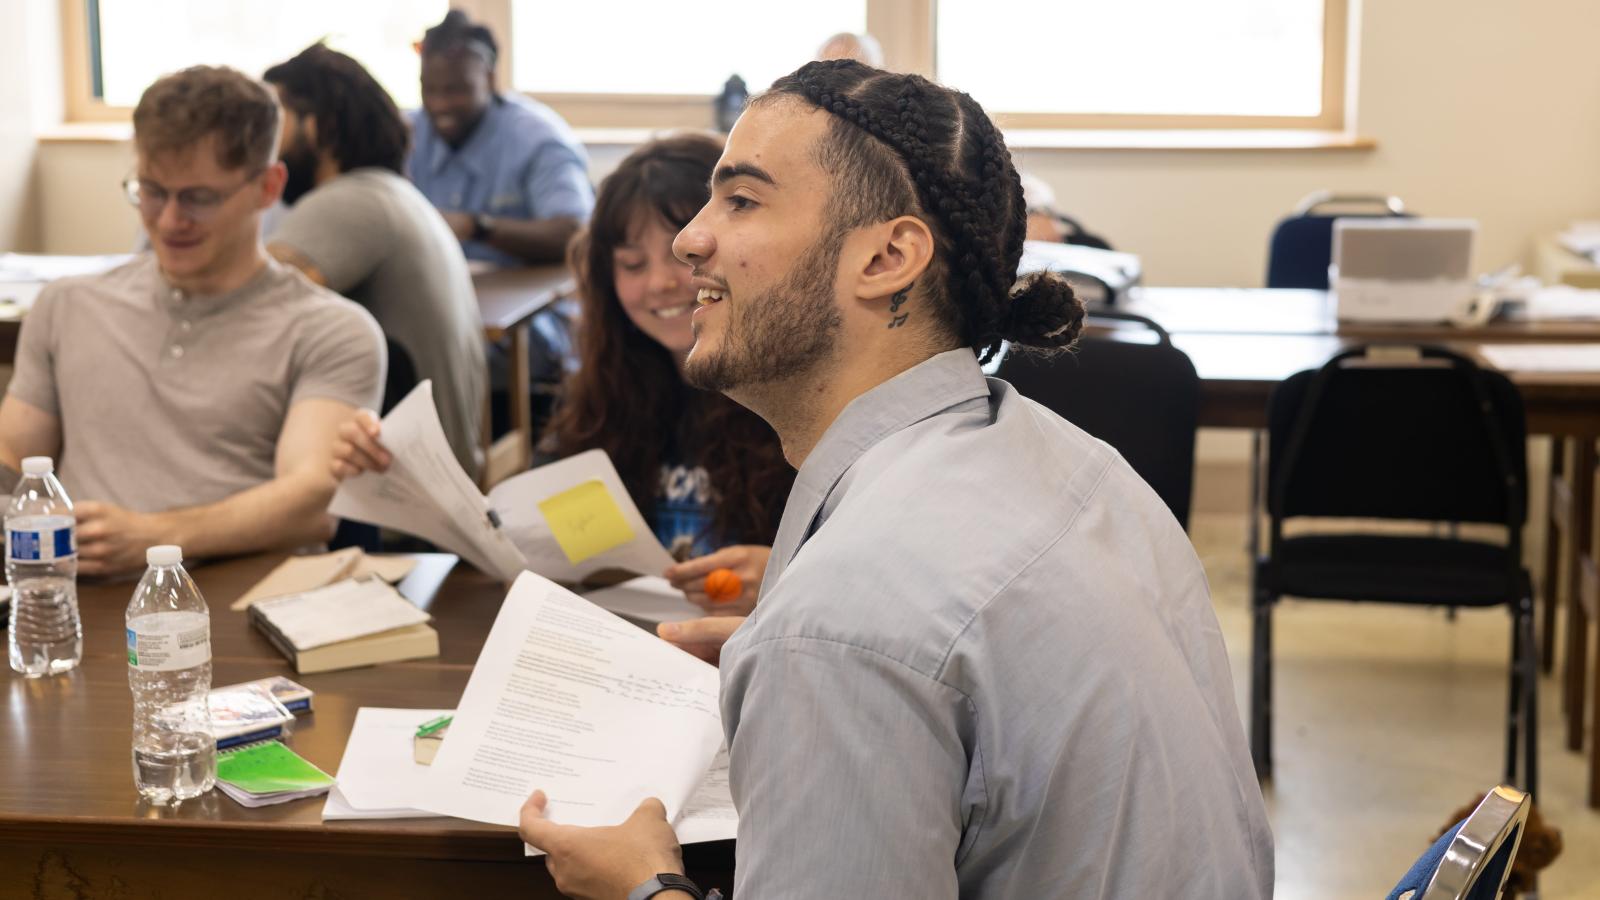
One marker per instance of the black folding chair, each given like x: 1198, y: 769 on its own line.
x: 1416, y: 434
x: 1140, y: 397
x: 1302, y: 243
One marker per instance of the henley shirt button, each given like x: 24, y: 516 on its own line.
x: 184, y: 326
x: 177, y: 294
x: 177, y: 352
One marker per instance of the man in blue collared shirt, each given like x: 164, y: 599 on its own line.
x: 507, y: 173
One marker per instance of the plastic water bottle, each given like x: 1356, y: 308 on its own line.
x: 45, y: 637
x: 169, y: 670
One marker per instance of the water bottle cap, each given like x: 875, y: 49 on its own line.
x: 164, y: 555
x: 38, y: 465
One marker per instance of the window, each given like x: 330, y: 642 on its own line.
x: 130, y: 43
x: 1255, y: 58
x: 663, y: 50
x: 1042, y: 64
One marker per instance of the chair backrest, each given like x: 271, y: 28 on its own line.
x: 1141, y: 398
x: 1398, y: 433
x: 400, y: 377
x: 1472, y: 860
x: 1302, y: 243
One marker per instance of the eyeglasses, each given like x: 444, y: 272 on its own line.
x: 197, y: 204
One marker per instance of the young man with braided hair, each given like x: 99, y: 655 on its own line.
x: 984, y: 663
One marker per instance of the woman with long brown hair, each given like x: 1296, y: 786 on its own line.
x: 708, y: 474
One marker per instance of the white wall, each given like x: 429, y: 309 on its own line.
x: 1481, y: 108
x: 30, y: 99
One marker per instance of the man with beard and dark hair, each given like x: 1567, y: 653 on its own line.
x: 984, y: 662
x: 358, y: 226
x: 508, y: 173
x: 190, y: 396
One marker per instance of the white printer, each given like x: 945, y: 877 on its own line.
x: 1395, y: 269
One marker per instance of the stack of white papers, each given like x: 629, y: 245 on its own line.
x: 377, y: 777
x: 572, y: 700
x: 341, y: 611
x: 1576, y: 358
x: 650, y: 599
x: 49, y: 267
x: 1558, y: 303
x: 565, y: 521
x: 1582, y: 238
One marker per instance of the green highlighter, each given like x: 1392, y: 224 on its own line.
x: 269, y: 772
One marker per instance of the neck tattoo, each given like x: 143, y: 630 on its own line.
x: 898, y: 318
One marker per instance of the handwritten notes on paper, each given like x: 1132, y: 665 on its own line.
x: 585, y: 521
x: 572, y: 700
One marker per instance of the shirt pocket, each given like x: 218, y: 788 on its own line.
x: 510, y: 203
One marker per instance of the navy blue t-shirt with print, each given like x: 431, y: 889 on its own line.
x: 683, y: 510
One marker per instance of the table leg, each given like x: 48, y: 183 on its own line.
x: 1580, y: 506
x: 522, y: 396
x: 1550, y: 574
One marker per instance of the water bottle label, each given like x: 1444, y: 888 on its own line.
x: 42, y: 545
x: 169, y: 651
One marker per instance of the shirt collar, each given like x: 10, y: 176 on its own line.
x: 180, y: 304
x: 478, y: 142
x: 924, y: 390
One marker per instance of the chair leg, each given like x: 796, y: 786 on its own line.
x: 1550, y: 573
x: 1530, y: 708
x: 1516, y: 699
x: 1253, y: 527
x: 1261, y: 685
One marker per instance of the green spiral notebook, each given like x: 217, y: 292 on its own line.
x: 269, y: 772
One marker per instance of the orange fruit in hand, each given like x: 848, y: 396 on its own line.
x: 723, y: 586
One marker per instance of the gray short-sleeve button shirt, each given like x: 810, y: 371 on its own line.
x: 167, y: 400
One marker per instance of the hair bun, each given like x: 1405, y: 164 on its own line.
x: 1044, y: 312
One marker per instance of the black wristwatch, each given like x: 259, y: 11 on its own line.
x: 482, y: 227
x: 667, y: 881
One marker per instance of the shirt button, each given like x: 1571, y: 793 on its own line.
x: 184, y: 326
x: 177, y: 294
x: 177, y: 352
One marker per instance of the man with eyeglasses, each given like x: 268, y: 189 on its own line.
x: 192, y: 394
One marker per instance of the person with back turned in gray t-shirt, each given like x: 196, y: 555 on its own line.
x: 358, y: 226
x: 192, y: 394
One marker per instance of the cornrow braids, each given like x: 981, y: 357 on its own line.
x: 902, y: 145
x: 457, y: 32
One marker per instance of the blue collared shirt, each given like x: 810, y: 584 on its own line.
x: 521, y: 162
x: 984, y: 665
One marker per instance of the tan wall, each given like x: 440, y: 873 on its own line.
x: 30, y: 99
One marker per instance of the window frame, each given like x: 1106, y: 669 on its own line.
x: 905, y: 28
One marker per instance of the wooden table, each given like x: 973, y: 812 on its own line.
x: 71, y: 824
x: 508, y: 299
x: 1243, y: 342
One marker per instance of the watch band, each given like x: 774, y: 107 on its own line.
x: 668, y: 881
x: 482, y: 227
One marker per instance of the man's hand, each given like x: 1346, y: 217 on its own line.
x: 748, y: 561
x: 604, y: 863
x: 460, y: 224
x: 112, y: 540
x: 701, y: 637
x: 357, y: 449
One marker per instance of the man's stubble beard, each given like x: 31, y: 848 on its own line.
x: 780, y: 335
x: 301, y: 162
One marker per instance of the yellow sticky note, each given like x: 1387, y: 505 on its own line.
x: 586, y: 522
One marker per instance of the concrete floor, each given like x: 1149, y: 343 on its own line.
x: 1388, y: 719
